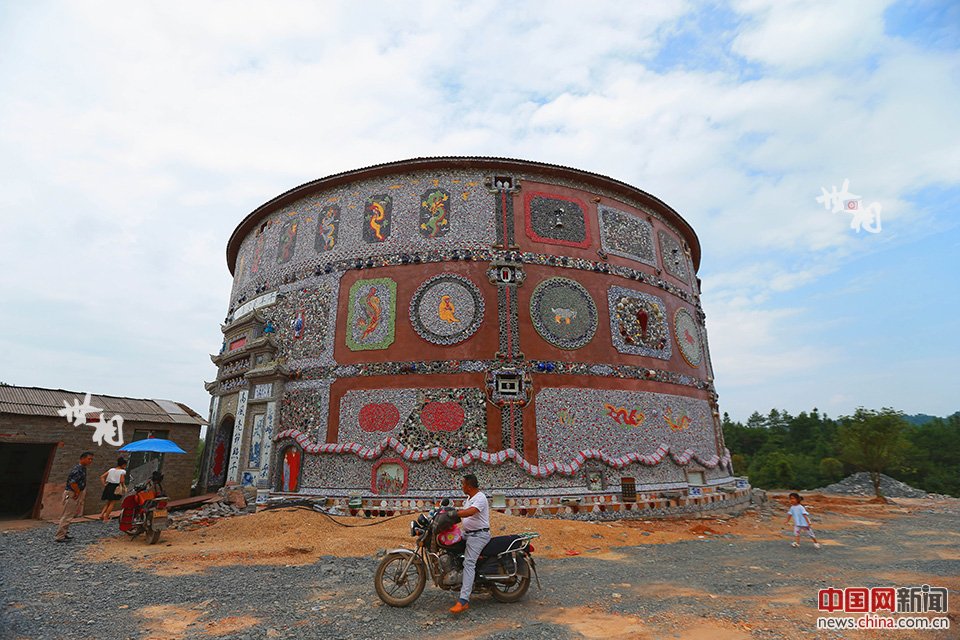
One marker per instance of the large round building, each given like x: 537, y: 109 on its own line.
x: 394, y: 327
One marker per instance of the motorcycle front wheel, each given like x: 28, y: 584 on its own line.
x: 512, y: 591
x: 396, y: 587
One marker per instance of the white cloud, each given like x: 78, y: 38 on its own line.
x: 795, y: 34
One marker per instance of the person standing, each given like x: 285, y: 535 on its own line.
x: 73, y: 495
x: 475, y: 522
x: 801, y: 521
x: 113, y: 479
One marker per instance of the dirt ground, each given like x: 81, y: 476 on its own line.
x: 296, y: 573
x: 300, y: 536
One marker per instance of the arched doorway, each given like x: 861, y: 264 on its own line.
x: 289, y: 476
x: 220, y: 454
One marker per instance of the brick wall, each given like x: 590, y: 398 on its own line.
x: 177, y: 469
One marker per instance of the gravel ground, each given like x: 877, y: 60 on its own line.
x: 749, y: 588
x: 860, y: 484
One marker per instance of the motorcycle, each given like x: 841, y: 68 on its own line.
x: 503, y: 569
x: 144, y: 511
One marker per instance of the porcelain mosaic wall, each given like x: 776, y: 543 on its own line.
x: 389, y: 477
x: 303, y: 322
x: 263, y: 477
x: 563, y: 313
x: 638, y: 323
x: 620, y: 422
x: 400, y: 441
x: 627, y: 235
x: 306, y: 406
x: 446, y: 309
x: 233, y: 471
x: 435, y: 213
x: 372, y: 314
x: 348, y: 473
x: 338, y: 232
x: 687, y: 334
x: 328, y: 228
x: 674, y: 258
x: 377, y: 218
x: 554, y: 219
x: 414, y: 212
x: 452, y: 419
x: 288, y: 241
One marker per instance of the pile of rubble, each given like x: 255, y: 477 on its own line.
x: 859, y: 484
x: 229, y: 502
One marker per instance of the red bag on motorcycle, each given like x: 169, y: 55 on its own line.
x: 129, y: 507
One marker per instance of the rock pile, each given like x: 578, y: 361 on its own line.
x: 230, y: 501
x: 859, y: 484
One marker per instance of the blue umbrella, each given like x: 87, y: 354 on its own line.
x: 152, y: 445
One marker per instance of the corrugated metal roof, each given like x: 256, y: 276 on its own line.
x: 169, y: 407
x: 38, y: 401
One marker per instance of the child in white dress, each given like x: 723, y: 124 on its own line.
x: 801, y: 521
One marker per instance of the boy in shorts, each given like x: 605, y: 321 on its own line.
x: 801, y: 521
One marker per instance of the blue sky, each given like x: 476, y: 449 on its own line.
x: 136, y: 137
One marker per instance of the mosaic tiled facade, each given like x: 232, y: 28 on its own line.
x: 563, y: 313
x: 638, y: 323
x: 627, y: 235
x: 620, y: 423
x: 392, y: 327
x: 446, y: 309
x: 687, y: 334
x: 674, y: 258
x: 372, y: 314
x: 558, y: 220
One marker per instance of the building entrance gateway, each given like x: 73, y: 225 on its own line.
x: 538, y: 325
x: 24, y: 468
x: 219, y: 454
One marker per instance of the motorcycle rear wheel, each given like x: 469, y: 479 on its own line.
x: 514, y: 591
x: 152, y: 536
x: 394, y: 588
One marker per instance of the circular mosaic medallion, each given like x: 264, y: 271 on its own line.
x: 446, y: 309
x: 563, y: 313
x: 687, y: 334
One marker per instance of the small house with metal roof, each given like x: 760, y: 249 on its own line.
x: 41, y: 439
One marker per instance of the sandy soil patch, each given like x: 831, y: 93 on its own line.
x: 172, y: 622
x: 596, y: 623
x: 228, y: 625
x: 168, y: 622
x: 298, y: 536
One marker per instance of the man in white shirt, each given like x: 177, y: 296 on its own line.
x: 475, y: 523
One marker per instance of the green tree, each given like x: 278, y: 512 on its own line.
x: 772, y: 471
x: 831, y: 469
x: 744, y: 440
x: 874, y: 441
x: 933, y: 462
x: 756, y: 420
x: 739, y: 462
